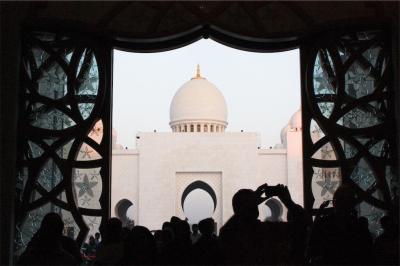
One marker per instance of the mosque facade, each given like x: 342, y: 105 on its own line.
x: 151, y: 182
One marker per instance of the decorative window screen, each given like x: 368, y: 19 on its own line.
x: 348, y: 122
x: 63, y: 153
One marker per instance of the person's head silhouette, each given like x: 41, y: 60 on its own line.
x: 52, y: 226
x: 206, y: 227
x: 245, y: 204
x: 344, y: 199
x: 113, y: 230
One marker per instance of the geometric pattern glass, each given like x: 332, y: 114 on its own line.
x: 349, y: 116
x: 63, y: 145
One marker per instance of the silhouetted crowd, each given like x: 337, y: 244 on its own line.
x: 335, y: 237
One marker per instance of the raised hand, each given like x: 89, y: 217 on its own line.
x: 261, y: 189
x: 324, y: 204
x: 284, y: 196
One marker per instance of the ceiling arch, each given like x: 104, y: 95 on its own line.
x: 262, y: 26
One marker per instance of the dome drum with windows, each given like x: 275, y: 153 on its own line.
x: 198, y: 106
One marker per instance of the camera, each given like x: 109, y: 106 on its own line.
x: 273, y: 190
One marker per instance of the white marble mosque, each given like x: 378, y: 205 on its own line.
x: 152, y: 182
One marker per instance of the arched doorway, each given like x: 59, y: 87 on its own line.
x: 198, y: 196
x: 198, y: 201
x: 274, y: 210
x: 124, y: 210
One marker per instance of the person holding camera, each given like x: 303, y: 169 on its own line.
x: 340, y: 237
x: 246, y: 240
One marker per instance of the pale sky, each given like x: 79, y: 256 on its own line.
x: 262, y: 90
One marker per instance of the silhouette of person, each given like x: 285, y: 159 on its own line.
x: 206, y: 251
x: 70, y: 245
x: 339, y: 238
x: 386, y: 245
x: 195, y: 233
x: 165, y: 244
x: 140, y: 247
x: 111, y: 248
x: 182, y: 244
x: 89, y: 250
x: 97, y: 237
x: 299, y: 226
x: 45, y: 247
x: 246, y: 240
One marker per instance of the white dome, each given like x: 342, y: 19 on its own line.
x: 284, y: 135
x: 295, y: 121
x: 198, y: 101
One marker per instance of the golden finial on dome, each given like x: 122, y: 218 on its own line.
x: 198, y: 75
x: 198, y: 71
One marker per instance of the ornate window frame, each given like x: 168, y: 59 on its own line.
x: 102, y: 48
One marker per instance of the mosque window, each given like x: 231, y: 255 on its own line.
x: 346, y: 97
x: 63, y: 147
x: 198, y: 128
x: 348, y: 92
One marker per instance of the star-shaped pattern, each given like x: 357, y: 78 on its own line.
x: 96, y: 130
x: 85, y: 187
x: 94, y: 175
x: 86, y: 152
x: 327, y: 185
x: 78, y: 174
x: 85, y: 200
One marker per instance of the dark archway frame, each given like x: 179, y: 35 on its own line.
x: 199, y: 185
x: 263, y: 45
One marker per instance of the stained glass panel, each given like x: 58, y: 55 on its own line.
x: 34, y: 150
x: 316, y: 132
x: 50, y: 175
x: 64, y: 150
x: 96, y: 133
x: 325, y: 181
x: 40, y: 56
x: 358, y: 81
x: 57, y: 117
x: 85, y: 109
x: 87, y: 153
x: 326, y: 108
x: 46, y: 117
x: 88, y: 74
x: 324, y: 74
x: 87, y: 187
x: 363, y: 175
x: 349, y: 150
x: 347, y: 100
x: 93, y: 223
x: 380, y: 149
x: 360, y: 118
x: 53, y: 82
x: 326, y: 152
